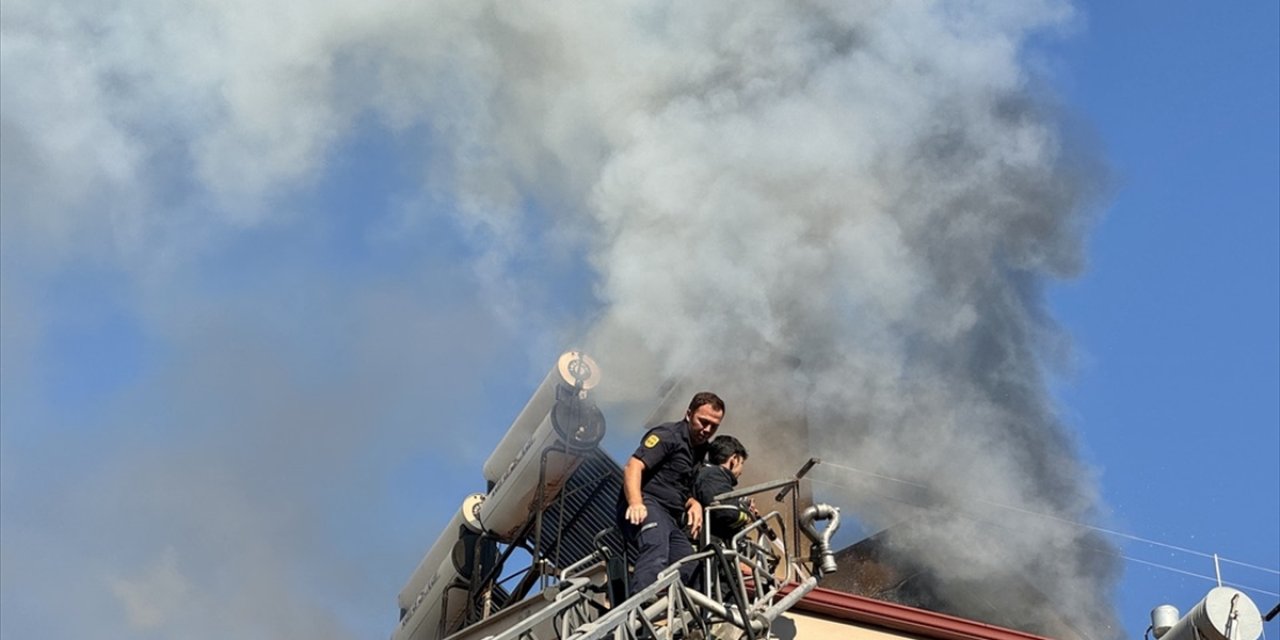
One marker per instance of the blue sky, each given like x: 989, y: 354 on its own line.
x: 273, y: 287
x: 1176, y: 319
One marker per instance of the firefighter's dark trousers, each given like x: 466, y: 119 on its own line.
x: 658, y: 541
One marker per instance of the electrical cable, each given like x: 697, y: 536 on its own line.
x: 1112, y: 532
x: 1192, y: 574
x: 1076, y: 524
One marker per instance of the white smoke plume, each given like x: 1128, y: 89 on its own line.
x: 876, y: 190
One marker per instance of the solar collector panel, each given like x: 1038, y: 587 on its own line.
x: 583, y: 510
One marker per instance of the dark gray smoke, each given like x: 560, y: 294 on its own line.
x: 873, y: 192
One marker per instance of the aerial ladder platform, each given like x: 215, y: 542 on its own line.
x: 548, y: 507
x: 744, y: 586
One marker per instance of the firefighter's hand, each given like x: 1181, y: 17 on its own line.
x: 636, y: 513
x: 693, y: 509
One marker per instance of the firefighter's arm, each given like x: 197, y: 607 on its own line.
x: 693, y: 509
x: 636, y: 511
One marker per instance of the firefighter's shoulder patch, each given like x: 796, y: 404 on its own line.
x: 651, y: 441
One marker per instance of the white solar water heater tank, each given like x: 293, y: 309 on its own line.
x: 573, y: 369
x: 422, y: 598
x: 1224, y: 614
x: 542, y: 467
x: 543, y: 447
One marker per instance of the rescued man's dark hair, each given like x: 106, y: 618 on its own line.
x: 723, y: 447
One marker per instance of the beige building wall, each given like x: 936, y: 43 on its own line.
x: 805, y: 626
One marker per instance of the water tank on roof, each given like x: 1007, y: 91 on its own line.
x: 1224, y: 614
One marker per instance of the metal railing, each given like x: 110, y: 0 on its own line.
x: 583, y: 607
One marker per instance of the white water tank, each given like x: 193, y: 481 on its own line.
x: 1224, y: 614
x: 558, y: 425
x: 1163, y: 618
x: 574, y: 370
x: 422, y: 599
x: 542, y: 466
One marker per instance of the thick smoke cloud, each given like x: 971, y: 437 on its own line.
x: 874, y: 191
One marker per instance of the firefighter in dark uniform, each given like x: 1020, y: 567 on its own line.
x: 726, y: 458
x: 657, y: 487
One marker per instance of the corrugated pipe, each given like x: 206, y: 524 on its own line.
x: 827, y: 563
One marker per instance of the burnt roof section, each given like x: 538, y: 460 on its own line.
x: 880, y: 568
